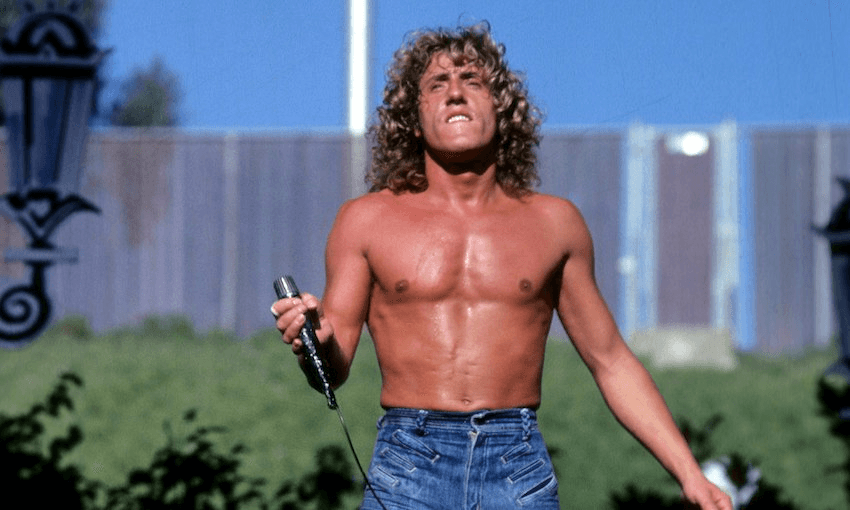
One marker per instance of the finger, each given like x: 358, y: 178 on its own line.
x: 281, y: 306
x: 286, y: 311
x: 293, y: 324
x: 311, y: 302
x: 297, y: 347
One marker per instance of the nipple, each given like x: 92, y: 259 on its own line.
x: 401, y: 286
x: 525, y: 285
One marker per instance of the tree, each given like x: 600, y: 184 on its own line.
x: 149, y: 97
x: 90, y: 12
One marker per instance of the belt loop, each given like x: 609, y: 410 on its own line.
x: 420, y: 422
x: 526, y: 423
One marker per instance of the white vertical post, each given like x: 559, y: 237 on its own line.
x: 638, y: 258
x: 649, y: 242
x: 230, y: 237
x: 726, y: 191
x: 177, y: 230
x: 358, y: 92
x: 823, y: 303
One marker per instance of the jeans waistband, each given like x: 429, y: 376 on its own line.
x: 521, y: 418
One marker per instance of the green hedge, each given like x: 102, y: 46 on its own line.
x: 139, y: 379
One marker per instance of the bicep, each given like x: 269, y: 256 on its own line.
x: 581, y: 307
x: 348, y: 278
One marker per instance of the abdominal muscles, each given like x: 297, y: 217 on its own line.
x: 457, y: 354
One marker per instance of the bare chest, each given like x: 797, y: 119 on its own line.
x: 498, y: 258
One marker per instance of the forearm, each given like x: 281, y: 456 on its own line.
x: 635, y: 401
x: 338, y: 351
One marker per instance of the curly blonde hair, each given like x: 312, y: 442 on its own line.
x: 398, y: 160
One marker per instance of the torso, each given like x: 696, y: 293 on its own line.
x: 461, y: 303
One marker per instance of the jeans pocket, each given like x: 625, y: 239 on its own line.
x: 516, y: 451
x: 532, y: 476
x: 548, y: 487
x: 526, y: 470
x: 411, y: 444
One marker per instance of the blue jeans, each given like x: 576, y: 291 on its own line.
x: 486, y: 460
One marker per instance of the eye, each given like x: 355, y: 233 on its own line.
x: 473, y: 80
x: 435, y: 86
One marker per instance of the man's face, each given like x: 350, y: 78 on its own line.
x: 457, y: 117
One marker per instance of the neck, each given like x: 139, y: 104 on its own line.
x: 465, y: 184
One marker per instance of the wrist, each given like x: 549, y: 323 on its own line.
x: 688, y: 472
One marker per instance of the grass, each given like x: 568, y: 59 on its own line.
x: 138, y: 379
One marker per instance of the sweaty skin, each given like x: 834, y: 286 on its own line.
x: 458, y: 284
x: 461, y: 297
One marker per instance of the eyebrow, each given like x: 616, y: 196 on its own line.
x: 464, y: 75
x: 438, y: 77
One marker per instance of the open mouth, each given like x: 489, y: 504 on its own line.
x: 458, y: 118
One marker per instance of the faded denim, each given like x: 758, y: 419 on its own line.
x: 484, y: 460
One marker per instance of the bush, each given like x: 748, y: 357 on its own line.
x: 326, y: 486
x: 255, y: 389
x: 29, y: 466
x: 834, y: 398
x: 167, y: 326
x: 74, y: 326
x: 737, y: 469
x: 189, y: 472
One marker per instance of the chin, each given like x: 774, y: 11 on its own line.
x: 463, y: 154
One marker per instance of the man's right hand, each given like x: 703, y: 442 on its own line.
x: 290, y: 318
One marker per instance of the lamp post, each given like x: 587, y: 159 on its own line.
x: 48, y: 64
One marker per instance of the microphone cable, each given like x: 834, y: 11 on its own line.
x: 285, y: 288
x: 357, y: 460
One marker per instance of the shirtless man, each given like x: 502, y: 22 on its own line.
x: 457, y: 267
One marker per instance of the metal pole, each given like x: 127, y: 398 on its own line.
x: 358, y: 93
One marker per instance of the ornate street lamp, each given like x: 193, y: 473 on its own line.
x: 48, y: 64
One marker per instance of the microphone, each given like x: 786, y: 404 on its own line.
x: 285, y: 288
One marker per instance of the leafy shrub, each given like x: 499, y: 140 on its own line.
x: 32, y: 463
x: 167, y: 326
x: 76, y: 327
x: 834, y: 398
x: 326, y: 487
x: 189, y: 472
x: 738, y: 470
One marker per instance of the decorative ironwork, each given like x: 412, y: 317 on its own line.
x: 48, y: 64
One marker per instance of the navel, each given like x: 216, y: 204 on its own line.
x: 401, y: 286
x: 525, y: 285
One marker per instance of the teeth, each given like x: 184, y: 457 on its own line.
x: 458, y: 118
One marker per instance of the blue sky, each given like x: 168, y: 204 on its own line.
x: 272, y: 64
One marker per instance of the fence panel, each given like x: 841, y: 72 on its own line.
x: 783, y: 168
x: 585, y: 168
x: 197, y: 225
x: 200, y: 224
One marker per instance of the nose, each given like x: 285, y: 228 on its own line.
x: 454, y: 93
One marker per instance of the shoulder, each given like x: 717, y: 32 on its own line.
x: 563, y: 220
x: 556, y: 209
x: 358, y: 217
x: 365, y: 207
